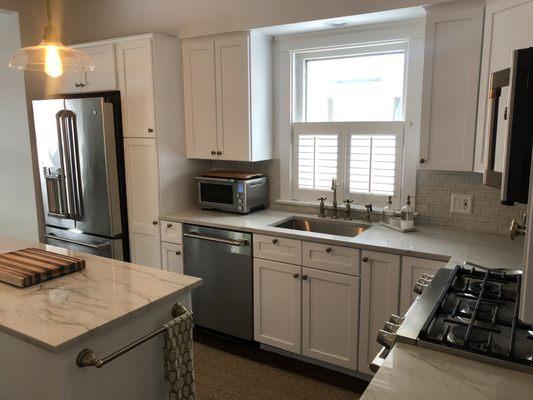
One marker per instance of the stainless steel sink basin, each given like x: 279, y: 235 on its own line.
x: 340, y: 228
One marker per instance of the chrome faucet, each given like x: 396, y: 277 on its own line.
x: 366, y: 218
x: 348, y: 216
x: 335, y: 214
x: 322, y: 211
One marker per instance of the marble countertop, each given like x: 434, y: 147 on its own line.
x: 61, y: 312
x: 491, y: 250
x: 415, y: 373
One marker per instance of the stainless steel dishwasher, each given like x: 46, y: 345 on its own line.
x: 223, y: 259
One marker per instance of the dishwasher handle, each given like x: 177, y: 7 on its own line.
x: 241, y: 242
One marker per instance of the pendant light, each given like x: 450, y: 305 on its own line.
x: 51, y: 56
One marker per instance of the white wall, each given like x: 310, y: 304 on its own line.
x: 18, y: 215
x: 87, y: 20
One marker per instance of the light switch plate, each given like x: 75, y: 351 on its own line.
x: 461, y: 204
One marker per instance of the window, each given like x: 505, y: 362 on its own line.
x: 348, y: 113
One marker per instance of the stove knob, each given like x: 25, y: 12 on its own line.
x: 419, y: 288
x: 427, y: 277
x: 390, y: 327
x: 396, y: 320
x: 386, y: 338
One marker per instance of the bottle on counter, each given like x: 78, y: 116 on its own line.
x: 408, y: 215
x: 388, y: 211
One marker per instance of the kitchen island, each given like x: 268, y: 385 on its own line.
x: 104, y: 307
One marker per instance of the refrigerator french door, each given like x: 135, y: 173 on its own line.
x: 81, y: 176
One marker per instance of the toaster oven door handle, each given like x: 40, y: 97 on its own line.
x: 214, y: 239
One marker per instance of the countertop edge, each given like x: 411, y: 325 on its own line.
x: 102, y: 328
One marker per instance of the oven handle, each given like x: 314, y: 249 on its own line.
x: 241, y: 242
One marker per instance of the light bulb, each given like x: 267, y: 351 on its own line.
x: 52, y: 63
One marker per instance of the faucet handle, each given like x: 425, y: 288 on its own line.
x: 368, y: 207
x: 348, y: 201
x: 322, y: 198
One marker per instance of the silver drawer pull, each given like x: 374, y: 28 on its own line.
x: 213, y: 239
x: 92, y: 246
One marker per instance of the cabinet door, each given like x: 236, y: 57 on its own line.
x: 380, y: 288
x: 277, y: 304
x: 330, y: 317
x: 142, y: 191
x: 104, y: 76
x: 172, y: 257
x: 69, y: 82
x: 171, y: 232
x: 233, y: 97
x: 507, y: 27
x: 136, y: 84
x: 200, y: 99
x: 412, y: 270
x: 344, y: 260
x: 450, y: 91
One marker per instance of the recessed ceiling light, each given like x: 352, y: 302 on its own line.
x: 337, y: 23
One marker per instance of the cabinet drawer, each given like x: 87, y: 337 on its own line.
x: 171, y: 232
x: 278, y: 249
x: 331, y: 258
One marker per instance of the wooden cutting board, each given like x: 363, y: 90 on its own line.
x: 30, y: 266
x: 232, y: 174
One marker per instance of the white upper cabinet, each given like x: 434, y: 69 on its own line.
x: 451, y: 82
x: 103, y: 78
x: 228, y: 97
x: 508, y: 27
x: 200, y: 98
x: 136, y: 84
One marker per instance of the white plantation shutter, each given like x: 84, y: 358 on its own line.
x: 364, y: 157
x: 372, y: 164
x: 375, y: 161
x: 318, y: 161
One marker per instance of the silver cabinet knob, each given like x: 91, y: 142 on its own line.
x: 386, y: 338
x: 155, y: 222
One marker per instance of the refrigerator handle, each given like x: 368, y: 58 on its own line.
x: 68, y: 154
x: 76, y: 185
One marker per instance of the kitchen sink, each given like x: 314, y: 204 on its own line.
x: 340, y: 228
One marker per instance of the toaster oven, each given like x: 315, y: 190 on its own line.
x: 240, y: 196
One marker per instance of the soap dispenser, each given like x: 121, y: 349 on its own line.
x: 388, y: 211
x: 408, y: 215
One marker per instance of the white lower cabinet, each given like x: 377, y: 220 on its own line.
x: 142, y: 189
x: 412, y: 270
x: 277, y: 304
x: 380, y: 287
x: 307, y: 311
x: 330, y: 317
x: 172, y: 257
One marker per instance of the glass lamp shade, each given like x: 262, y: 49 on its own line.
x: 51, y: 57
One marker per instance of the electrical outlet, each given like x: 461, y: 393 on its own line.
x: 461, y: 204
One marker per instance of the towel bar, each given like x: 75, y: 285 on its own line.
x: 87, y: 357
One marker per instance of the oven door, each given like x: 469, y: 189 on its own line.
x: 218, y: 194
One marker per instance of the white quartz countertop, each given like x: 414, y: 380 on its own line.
x: 415, y: 373
x: 491, y: 250
x: 63, y: 311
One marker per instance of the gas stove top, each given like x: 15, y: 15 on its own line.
x: 471, y: 311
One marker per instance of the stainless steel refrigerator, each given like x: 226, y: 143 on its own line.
x: 81, y: 165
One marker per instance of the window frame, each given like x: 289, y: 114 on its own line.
x: 300, y: 59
